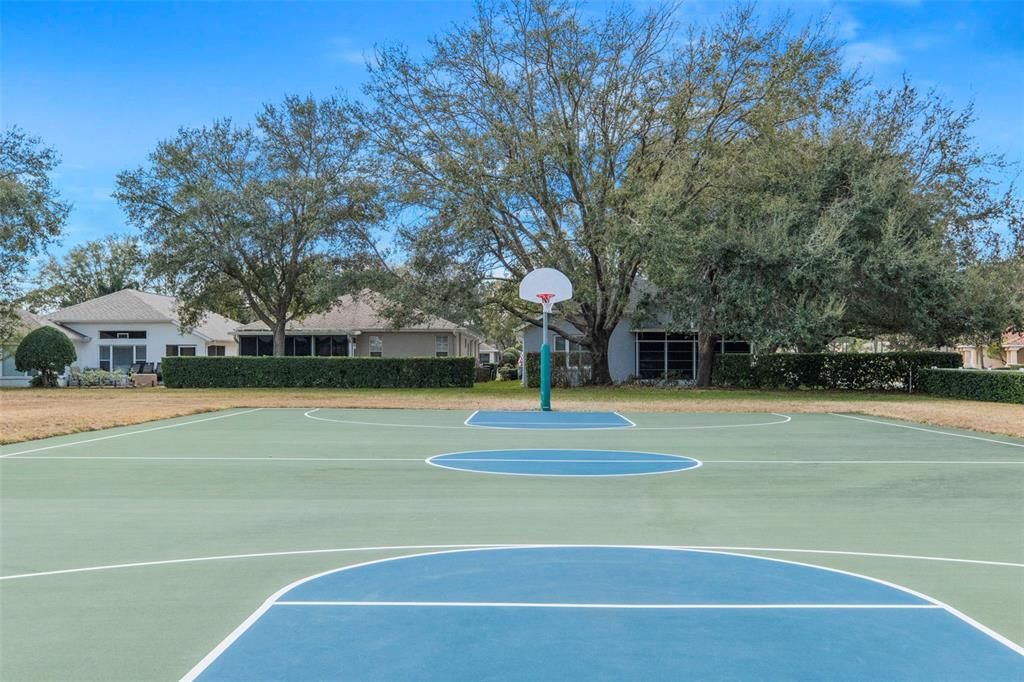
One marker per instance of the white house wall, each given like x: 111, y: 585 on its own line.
x: 159, y: 335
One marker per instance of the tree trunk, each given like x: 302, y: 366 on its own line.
x: 600, y: 372
x: 279, y: 339
x: 705, y: 358
x: 980, y: 350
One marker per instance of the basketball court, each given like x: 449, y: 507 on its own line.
x: 403, y: 544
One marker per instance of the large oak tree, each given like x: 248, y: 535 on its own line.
x: 275, y: 210
x: 530, y: 136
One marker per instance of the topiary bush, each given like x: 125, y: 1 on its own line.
x: 317, y: 372
x: 850, y: 371
x: 974, y: 384
x: 47, y: 351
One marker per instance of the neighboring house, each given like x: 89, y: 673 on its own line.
x: 9, y: 376
x: 355, y: 327
x: 488, y: 354
x: 130, y: 326
x: 1009, y: 352
x: 634, y: 352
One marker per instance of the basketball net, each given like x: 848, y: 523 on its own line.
x: 545, y: 300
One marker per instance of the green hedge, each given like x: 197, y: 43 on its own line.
x: 851, y: 371
x: 314, y: 372
x: 974, y: 384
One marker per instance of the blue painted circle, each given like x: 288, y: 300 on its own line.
x: 604, y: 613
x: 564, y: 462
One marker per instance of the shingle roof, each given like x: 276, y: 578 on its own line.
x: 356, y: 313
x: 30, y: 321
x: 130, y: 305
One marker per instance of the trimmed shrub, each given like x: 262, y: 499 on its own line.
x: 47, y: 351
x: 314, y: 372
x: 974, y: 384
x: 508, y: 372
x: 849, y: 371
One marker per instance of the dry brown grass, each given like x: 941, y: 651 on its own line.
x: 27, y: 414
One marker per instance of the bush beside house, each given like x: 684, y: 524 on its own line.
x: 969, y: 384
x: 849, y: 371
x: 45, y: 350
x: 317, y: 372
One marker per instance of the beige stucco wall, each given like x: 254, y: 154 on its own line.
x: 411, y: 344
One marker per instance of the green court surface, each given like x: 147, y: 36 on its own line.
x: 131, y: 553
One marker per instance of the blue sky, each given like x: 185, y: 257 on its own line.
x: 104, y: 82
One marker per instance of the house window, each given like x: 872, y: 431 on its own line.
x: 121, y: 358
x: 441, y: 346
x: 376, y: 346
x: 484, y: 358
x: 215, y: 351
x: 660, y: 355
x: 7, y: 368
x: 122, y: 334
x: 175, y: 351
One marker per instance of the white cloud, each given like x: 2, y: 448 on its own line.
x: 866, y: 53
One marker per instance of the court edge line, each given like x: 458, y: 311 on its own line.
x: 269, y: 602
x: 930, y: 462
x: 342, y: 550
x: 131, y: 433
x: 309, y: 414
x: 557, y: 605
x: 918, y: 428
x: 682, y: 458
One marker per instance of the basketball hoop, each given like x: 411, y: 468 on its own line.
x: 547, y: 301
x: 549, y: 286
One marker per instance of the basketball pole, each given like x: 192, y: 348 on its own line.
x: 545, y: 366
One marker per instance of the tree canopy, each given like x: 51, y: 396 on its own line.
x: 744, y: 169
x: 32, y: 215
x: 274, y: 210
x: 94, y: 268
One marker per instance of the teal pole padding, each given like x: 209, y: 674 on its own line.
x: 545, y: 377
x: 545, y: 368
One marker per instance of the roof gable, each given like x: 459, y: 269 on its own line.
x: 131, y: 305
x: 356, y: 313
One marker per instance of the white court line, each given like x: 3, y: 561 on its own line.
x: 918, y: 428
x: 310, y: 415
x: 683, y: 459
x: 229, y: 459
x: 270, y: 601
x: 622, y: 416
x: 859, y: 461
x: 342, y: 550
x: 554, y: 605
x: 130, y: 433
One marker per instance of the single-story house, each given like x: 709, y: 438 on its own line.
x: 9, y: 375
x: 488, y: 354
x: 355, y: 327
x: 635, y: 351
x: 129, y: 326
x: 1010, y: 352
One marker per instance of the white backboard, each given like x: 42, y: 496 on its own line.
x: 545, y: 283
